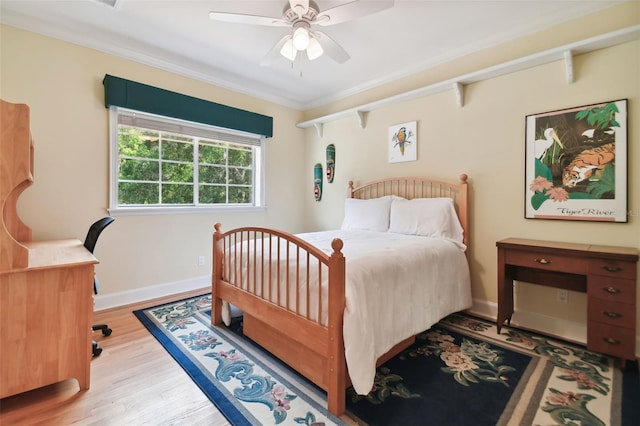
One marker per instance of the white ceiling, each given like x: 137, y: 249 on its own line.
x: 178, y: 36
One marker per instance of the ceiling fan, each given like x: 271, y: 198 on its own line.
x: 301, y: 16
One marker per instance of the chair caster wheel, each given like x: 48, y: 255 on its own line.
x: 107, y: 332
x: 95, y: 349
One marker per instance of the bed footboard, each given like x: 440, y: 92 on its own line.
x: 292, y: 296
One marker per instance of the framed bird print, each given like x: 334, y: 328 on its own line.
x: 576, y: 163
x: 403, y: 140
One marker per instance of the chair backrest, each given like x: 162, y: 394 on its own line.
x: 94, y: 232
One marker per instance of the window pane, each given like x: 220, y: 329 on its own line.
x: 177, y: 194
x: 210, y: 194
x: 240, y: 195
x: 212, y: 174
x: 131, y: 169
x: 238, y: 176
x: 177, y: 172
x: 240, y: 157
x: 212, y: 153
x: 172, y: 150
x: 137, y: 143
x: 137, y: 193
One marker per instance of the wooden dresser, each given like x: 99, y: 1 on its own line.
x: 606, y: 273
x: 46, y: 287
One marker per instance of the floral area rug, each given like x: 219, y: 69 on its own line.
x: 460, y: 372
x: 247, y: 385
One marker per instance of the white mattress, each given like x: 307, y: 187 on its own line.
x: 396, y: 286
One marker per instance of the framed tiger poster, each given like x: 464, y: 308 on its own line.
x: 576, y: 163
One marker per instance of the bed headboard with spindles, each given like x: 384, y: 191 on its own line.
x: 420, y: 187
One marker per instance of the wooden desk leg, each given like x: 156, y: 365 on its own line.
x: 505, y: 292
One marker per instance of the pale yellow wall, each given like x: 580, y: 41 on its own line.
x: 485, y: 139
x: 62, y: 84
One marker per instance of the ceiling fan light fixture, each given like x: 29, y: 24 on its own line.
x: 289, y: 51
x: 300, y: 16
x: 301, y: 38
x: 314, y: 50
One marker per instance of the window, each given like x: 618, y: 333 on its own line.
x: 163, y: 164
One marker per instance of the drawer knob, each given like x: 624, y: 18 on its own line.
x: 613, y: 315
x: 543, y: 261
x: 612, y: 268
x: 611, y: 290
x: 611, y: 340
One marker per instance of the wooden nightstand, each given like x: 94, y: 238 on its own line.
x: 606, y: 273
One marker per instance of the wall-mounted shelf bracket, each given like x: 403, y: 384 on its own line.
x: 318, y: 127
x: 458, y: 88
x: 568, y: 62
x: 362, y: 117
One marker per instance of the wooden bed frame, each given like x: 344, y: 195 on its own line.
x: 285, y: 328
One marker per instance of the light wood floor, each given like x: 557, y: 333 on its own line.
x: 133, y: 382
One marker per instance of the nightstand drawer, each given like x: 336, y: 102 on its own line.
x: 612, y: 268
x: 612, y: 340
x: 613, y: 313
x: 549, y: 262
x: 611, y: 289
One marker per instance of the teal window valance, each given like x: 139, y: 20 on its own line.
x: 141, y: 97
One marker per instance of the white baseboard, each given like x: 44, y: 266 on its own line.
x: 568, y: 330
x: 122, y: 298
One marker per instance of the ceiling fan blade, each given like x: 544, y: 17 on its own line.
x: 331, y: 48
x: 299, y: 6
x: 239, y: 18
x: 352, y: 10
x: 274, y: 53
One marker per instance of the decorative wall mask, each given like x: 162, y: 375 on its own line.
x: 331, y: 162
x: 317, y: 181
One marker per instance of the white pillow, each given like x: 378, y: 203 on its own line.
x: 371, y: 215
x: 429, y: 217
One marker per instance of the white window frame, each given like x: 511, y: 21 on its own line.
x: 157, y: 122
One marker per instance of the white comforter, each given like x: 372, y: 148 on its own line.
x: 396, y: 286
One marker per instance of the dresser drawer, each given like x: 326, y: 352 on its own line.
x: 611, y: 289
x: 613, y: 313
x: 549, y: 262
x: 612, y: 268
x: 611, y: 340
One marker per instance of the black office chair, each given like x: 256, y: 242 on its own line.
x: 90, y: 243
